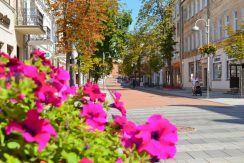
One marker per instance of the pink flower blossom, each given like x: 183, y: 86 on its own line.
x: 21, y: 96
x: 13, y: 101
x: 159, y: 137
x: 119, y: 160
x: 33, y: 129
x: 39, y: 53
x: 117, y: 95
x: 30, y: 71
x: 120, y: 121
x: 94, y: 92
x: 94, y: 115
x: 62, y: 74
x: 118, y: 104
x: 129, y: 133
x: 85, y: 160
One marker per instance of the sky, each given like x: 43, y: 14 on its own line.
x: 133, y: 5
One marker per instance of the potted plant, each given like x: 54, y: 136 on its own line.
x: 208, y: 49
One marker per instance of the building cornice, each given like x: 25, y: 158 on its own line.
x: 10, y: 7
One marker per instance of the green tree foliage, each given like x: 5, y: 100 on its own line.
x: 132, y: 55
x: 155, y: 17
x: 234, y: 45
x: 114, y: 45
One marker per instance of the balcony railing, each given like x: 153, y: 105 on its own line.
x: 43, y: 39
x: 29, y: 17
x: 46, y: 36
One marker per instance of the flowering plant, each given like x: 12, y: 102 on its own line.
x: 208, y: 49
x: 42, y: 119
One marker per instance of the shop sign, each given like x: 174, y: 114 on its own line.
x: 4, y: 20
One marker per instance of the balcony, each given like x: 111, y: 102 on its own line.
x: 44, y: 39
x: 29, y: 21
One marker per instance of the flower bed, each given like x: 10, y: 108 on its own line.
x: 42, y: 119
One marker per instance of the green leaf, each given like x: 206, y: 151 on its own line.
x: 70, y: 157
x: 10, y: 159
x: 13, y: 145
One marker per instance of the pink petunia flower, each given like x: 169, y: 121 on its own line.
x: 85, y: 160
x: 118, y: 104
x: 61, y: 74
x: 94, y: 115
x: 33, y: 129
x: 129, y: 132
x: 30, y: 71
x: 13, y: 101
x: 39, y: 53
x: 94, y: 92
x: 119, y: 160
x: 21, y: 96
x: 120, y: 121
x: 159, y: 137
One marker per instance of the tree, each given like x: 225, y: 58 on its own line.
x: 234, y: 47
x: 80, y: 25
x: 114, y: 44
x: 155, y: 17
x: 132, y: 56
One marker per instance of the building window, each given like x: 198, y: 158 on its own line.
x: 242, y: 13
x: 178, y: 29
x: 220, y: 28
x: 200, y: 5
x: 189, y: 44
x: 213, y: 33
x: 199, y: 70
x: 192, y: 41
x: 196, y: 6
x: 191, y: 70
x: 228, y: 69
x: 204, y: 37
x: 189, y: 12
x: 192, y: 8
x: 185, y: 45
x: 197, y: 40
x: 227, y: 22
x: 217, y: 68
x: 235, y: 21
x: 201, y: 38
x: 9, y: 49
x: 205, y: 3
x: 177, y: 9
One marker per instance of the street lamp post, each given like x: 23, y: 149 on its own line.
x: 196, y: 28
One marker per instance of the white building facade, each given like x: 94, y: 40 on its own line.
x: 7, y: 27
x: 26, y: 25
x: 222, y: 13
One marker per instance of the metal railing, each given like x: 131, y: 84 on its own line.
x: 46, y: 36
x: 29, y: 17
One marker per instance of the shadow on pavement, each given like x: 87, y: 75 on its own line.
x: 236, y: 112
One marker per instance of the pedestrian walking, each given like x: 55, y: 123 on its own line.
x: 134, y: 83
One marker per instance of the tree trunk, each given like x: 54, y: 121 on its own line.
x: 241, y: 79
x: 170, y: 73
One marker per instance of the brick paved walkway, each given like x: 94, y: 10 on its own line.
x: 134, y: 98
x: 219, y: 129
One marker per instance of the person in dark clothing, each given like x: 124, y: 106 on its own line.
x: 134, y: 83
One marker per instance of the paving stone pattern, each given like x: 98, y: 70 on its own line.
x: 218, y: 135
